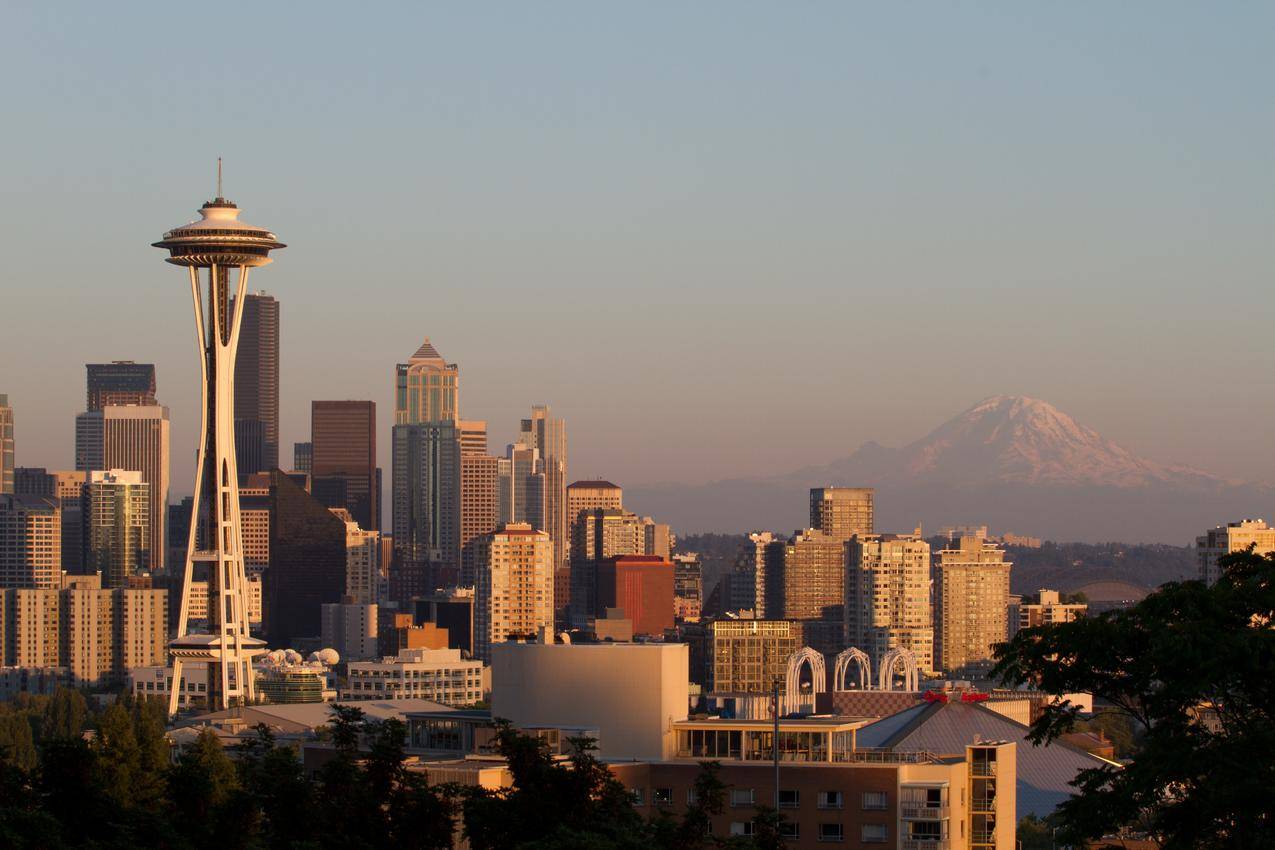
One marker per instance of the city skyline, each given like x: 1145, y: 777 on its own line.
x: 1091, y: 265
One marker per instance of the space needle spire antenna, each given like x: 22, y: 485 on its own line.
x: 218, y: 250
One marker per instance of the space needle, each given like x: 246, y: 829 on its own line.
x: 211, y: 249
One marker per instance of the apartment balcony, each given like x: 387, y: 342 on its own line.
x: 926, y: 844
x: 979, y: 767
x: 922, y: 811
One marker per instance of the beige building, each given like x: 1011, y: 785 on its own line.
x: 441, y: 675
x: 548, y: 435
x: 1046, y: 610
x: 362, y: 572
x: 118, y: 525
x: 1232, y: 537
x: 592, y: 495
x: 197, y: 608
x: 842, y: 511
x: 630, y: 692
x: 752, y: 560
x: 479, y: 505
x: 131, y: 437
x: 514, y: 590
x: 98, y: 634
x: 6, y: 446
x: 350, y: 628
x: 254, y: 521
x: 30, y: 542
x: 749, y: 655
x: 473, y: 437
x: 806, y: 577
x: 887, y: 597
x: 971, y: 605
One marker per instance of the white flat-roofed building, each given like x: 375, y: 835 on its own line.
x: 441, y: 675
x: 631, y: 693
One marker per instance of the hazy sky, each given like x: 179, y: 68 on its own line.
x: 720, y: 239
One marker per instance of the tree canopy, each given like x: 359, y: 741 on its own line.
x: 1193, y: 668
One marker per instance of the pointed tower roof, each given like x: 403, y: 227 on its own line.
x: 427, y: 353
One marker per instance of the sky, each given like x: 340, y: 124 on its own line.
x: 720, y: 239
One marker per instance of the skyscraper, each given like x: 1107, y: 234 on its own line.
x: 971, y: 605
x: 119, y: 525
x: 30, y: 543
x: 65, y: 489
x: 642, y: 586
x: 479, y: 506
x: 343, y: 434
x: 257, y: 378
x: 427, y: 498
x: 133, y: 438
x: 426, y: 388
x: 841, y: 512
x: 303, y: 457
x: 7, y: 461
x: 527, y: 481
x: 805, y: 580
x: 120, y: 382
x: 514, y: 593
x: 548, y: 435
x: 888, y: 597
x: 308, y: 560
x: 217, y: 242
x: 473, y: 437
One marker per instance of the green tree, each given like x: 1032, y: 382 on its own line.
x: 1193, y: 667
x: 201, y: 789
x: 273, y: 777
x: 17, y: 745
x: 65, y: 715
x: 1035, y: 834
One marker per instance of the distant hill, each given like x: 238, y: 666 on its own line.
x: 1011, y: 462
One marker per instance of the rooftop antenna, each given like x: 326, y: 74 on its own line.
x: 218, y: 177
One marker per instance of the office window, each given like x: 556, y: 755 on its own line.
x: 741, y: 827
x: 829, y: 799
x: 874, y: 833
x: 834, y: 832
x: 662, y: 796
x: 875, y: 801
x: 789, y: 799
x: 741, y: 797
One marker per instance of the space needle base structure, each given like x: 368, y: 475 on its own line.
x: 218, y: 250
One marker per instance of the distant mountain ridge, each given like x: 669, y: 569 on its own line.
x: 1011, y: 462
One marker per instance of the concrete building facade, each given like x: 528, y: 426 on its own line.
x: 842, y: 511
x: 1232, y: 537
x: 30, y: 542
x: 514, y: 591
x: 118, y: 525
x: 971, y: 605
x: 887, y: 597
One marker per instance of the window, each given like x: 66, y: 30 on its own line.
x: 662, y: 796
x: 692, y: 796
x: 789, y: 799
x: 788, y: 829
x: 875, y: 801
x: 829, y: 799
x: 744, y: 827
x: 874, y: 833
x: 834, y: 832
x: 636, y: 794
x: 741, y: 797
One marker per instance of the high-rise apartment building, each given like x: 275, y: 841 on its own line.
x: 307, y: 562
x: 7, y: 456
x: 971, y: 605
x: 887, y: 597
x: 1048, y: 609
x: 514, y: 592
x: 343, y: 437
x: 30, y: 542
x: 642, y: 587
x: 1232, y: 537
x: 257, y: 381
x: 118, y: 525
x: 426, y: 388
x: 841, y: 512
x: 479, y: 506
x: 427, y: 498
x: 133, y: 438
x: 548, y: 435
x: 121, y: 382
x: 806, y: 577
x: 97, y: 633
x: 749, y: 655
x: 66, y: 490
x: 752, y: 562
x: 600, y: 534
